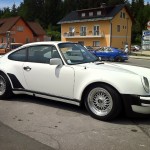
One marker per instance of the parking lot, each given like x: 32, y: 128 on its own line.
x: 67, y: 127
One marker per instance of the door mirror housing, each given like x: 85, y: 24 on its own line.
x: 56, y: 61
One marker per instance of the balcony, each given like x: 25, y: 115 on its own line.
x: 89, y: 34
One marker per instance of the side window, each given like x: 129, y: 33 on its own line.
x: 20, y: 55
x: 42, y: 54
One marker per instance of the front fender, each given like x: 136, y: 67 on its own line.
x: 124, y: 83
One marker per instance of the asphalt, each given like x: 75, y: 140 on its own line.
x: 144, y: 54
x: 13, y: 140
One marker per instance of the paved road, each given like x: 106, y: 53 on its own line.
x: 13, y: 140
x: 139, y: 62
x: 67, y: 127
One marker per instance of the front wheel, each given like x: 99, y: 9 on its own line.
x: 5, y: 87
x: 103, y: 102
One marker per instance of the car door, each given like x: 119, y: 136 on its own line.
x: 43, y: 78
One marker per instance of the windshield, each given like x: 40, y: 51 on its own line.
x: 76, y: 54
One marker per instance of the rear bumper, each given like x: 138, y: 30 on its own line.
x: 136, y: 105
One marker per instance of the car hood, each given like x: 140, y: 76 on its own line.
x: 119, y: 68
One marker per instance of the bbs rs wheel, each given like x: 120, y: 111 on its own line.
x: 5, y: 87
x: 103, y: 102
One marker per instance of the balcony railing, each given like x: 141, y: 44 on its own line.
x: 83, y: 34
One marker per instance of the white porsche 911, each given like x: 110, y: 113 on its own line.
x: 68, y: 72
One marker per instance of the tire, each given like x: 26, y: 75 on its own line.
x: 103, y: 102
x: 5, y: 87
x: 118, y: 59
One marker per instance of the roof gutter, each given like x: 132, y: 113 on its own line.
x: 85, y: 20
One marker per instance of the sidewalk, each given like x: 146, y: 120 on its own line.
x: 141, y: 55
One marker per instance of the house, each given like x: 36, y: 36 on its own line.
x: 98, y: 27
x: 20, y: 30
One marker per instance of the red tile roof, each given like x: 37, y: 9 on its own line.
x: 7, y: 23
x: 36, y: 28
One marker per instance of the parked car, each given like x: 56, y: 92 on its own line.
x: 89, y: 48
x: 4, y: 49
x: 111, y: 54
x: 135, y: 47
x: 68, y: 72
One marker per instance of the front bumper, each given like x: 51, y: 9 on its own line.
x: 136, y: 105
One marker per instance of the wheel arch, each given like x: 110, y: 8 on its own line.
x: 2, y: 72
x: 94, y: 84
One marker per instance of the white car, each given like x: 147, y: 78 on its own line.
x: 67, y: 72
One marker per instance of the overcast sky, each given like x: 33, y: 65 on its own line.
x: 9, y: 3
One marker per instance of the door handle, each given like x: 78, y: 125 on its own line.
x: 27, y: 68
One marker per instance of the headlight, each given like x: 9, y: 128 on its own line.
x: 146, y: 84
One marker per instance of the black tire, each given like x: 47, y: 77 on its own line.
x: 118, y: 59
x: 105, y: 107
x: 5, y: 87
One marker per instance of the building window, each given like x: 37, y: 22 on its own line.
x: 121, y: 14
x: 90, y: 14
x: 83, y: 15
x: 71, y: 31
x: 96, y: 30
x: 83, y: 31
x: 81, y: 42
x: 124, y: 15
x: 99, y: 13
x: 96, y: 43
x: 123, y: 27
x: 20, y: 28
x: 2, y: 40
x: 118, y: 28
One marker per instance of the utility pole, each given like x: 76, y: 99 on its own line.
x: 8, y: 38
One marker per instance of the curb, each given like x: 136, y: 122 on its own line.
x: 140, y: 57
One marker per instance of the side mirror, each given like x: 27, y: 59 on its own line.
x: 56, y: 61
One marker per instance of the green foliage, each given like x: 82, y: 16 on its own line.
x: 55, y: 35
x: 141, y: 15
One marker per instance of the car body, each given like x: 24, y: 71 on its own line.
x: 135, y: 47
x: 110, y: 53
x: 68, y: 72
x: 4, y: 49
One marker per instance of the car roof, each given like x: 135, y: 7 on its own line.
x: 44, y: 42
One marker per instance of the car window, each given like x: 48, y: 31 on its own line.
x: 20, y: 55
x: 42, y: 53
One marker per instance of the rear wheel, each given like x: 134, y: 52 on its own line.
x: 5, y: 87
x: 118, y: 59
x: 103, y: 102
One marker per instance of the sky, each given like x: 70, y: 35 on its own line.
x: 9, y: 3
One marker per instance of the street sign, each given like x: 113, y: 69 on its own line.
x: 146, y: 39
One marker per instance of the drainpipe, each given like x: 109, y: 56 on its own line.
x: 110, y: 40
